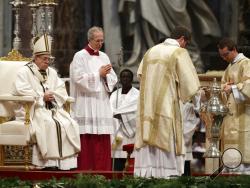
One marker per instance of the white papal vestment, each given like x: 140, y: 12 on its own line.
x: 56, y: 134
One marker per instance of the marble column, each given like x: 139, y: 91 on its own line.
x: 112, y: 31
x: 5, y: 27
x: 25, y: 29
x: 229, y: 18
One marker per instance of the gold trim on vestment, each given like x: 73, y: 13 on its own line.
x: 236, y: 129
x: 46, y: 43
x: 176, y: 126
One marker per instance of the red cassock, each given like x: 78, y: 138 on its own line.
x: 95, y: 153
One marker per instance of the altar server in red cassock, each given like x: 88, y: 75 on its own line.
x: 91, y: 80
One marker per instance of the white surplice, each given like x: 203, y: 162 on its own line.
x: 92, y: 109
x: 126, y: 105
x: 57, y: 144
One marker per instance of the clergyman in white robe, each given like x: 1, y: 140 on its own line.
x: 168, y: 77
x: 92, y: 109
x: 55, y: 133
x: 126, y: 105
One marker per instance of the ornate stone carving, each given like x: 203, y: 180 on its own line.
x: 15, y: 155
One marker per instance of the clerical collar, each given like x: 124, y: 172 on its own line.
x: 239, y: 57
x: 91, y: 51
x: 171, y: 42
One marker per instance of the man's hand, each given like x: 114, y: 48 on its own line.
x: 104, y: 70
x: 228, y: 87
x: 48, y: 96
x: 204, y: 93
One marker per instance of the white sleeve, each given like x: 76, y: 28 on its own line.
x: 238, y: 96
x: 87, y: 82
x: 111, y: 80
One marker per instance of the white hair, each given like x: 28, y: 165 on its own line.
x: 92, y: 30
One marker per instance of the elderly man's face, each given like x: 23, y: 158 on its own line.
x: 97, y: 41
x: 42, y: 61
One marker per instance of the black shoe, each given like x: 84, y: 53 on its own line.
x: 52, y: 168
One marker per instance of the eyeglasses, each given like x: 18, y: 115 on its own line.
x: 98, y: 41
x: 225, y: 54
x: 44, y: 58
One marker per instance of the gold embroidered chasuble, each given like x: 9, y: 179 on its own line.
x: 236, y: 126
x: 168, y: 78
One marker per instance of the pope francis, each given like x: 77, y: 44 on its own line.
x: 55, y: 133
